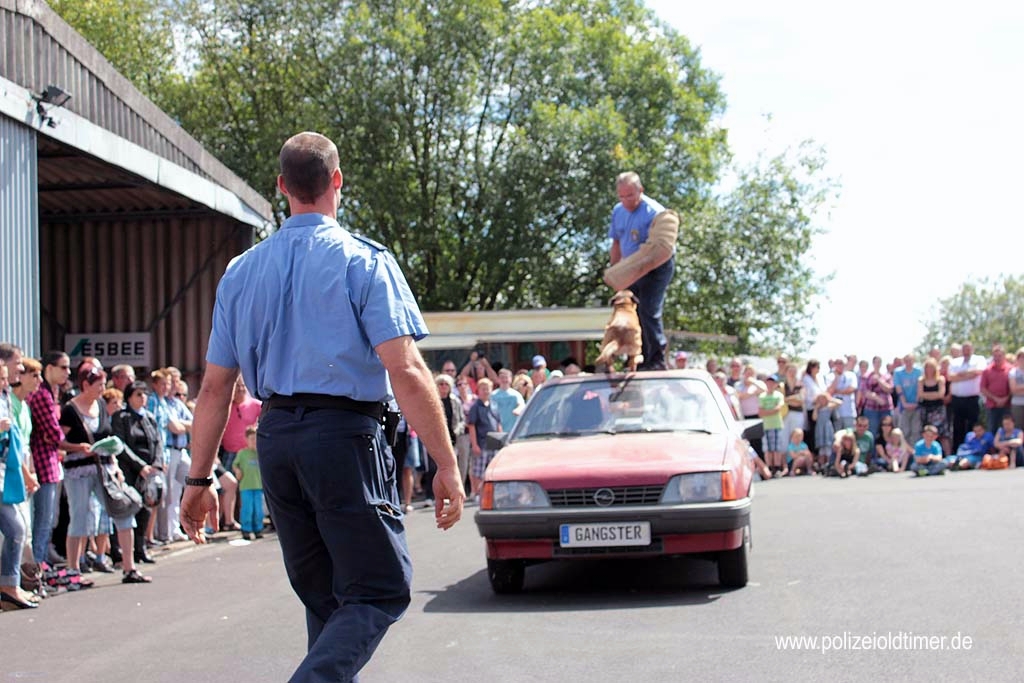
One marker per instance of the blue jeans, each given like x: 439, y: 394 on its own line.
x: 44, y: 507
x: 251, y: 517
x: 650, y: 291
x: 227, y: 459
x: 331, y: 487
x: 995, y: 418
x: 13, y: 529
x: 933, y: 467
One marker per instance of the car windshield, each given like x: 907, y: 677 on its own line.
x: 614, y: 405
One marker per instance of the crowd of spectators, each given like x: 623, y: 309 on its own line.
x: 55, y: 525
x: 955, y: 411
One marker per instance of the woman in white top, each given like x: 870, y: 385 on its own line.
x: 749, y: 390
x: 814, y: 384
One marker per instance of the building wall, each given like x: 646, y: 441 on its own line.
x: 19, y: 241
x: 155, y: 275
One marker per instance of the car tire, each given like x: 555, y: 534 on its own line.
x: 732, y: 564
x: 506, y: 576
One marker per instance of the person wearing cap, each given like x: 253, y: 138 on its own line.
x: 322, y: 325
x: 769, y: 409
x: 540, y: 371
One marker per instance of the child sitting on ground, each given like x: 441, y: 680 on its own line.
x: 897, y: 452
x: 928, y: 453
x: 847, y: 455
x: 1008, y: 445
x: 973, y: 450
x: 801, y: 460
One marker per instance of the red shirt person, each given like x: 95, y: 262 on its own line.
x: 995, y: 387
x: 245, y: 412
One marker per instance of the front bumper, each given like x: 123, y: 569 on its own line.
x: 675, y: 529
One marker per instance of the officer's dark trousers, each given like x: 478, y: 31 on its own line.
x: 330, y: 485
x: 650, y: 290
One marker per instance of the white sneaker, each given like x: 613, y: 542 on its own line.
x: 409, y: 508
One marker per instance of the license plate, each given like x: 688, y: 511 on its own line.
x: 604, y: 534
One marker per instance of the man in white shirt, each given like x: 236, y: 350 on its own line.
x: 965, y: 388
x: 844, y: 387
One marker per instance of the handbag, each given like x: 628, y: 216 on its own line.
x: 119, y: 499
x: 152, y: 487
x: 14, y: 483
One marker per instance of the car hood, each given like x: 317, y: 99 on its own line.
x: 609, y: 460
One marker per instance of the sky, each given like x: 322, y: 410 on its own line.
x: 920, y: 109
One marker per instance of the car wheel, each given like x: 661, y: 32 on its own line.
x: 732, y: 564
x: 506, y: 576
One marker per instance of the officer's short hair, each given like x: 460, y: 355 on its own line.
x: 307, y: 162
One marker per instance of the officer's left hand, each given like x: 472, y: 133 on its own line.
x: 449, y: 496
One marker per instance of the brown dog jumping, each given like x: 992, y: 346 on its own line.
x: 622, y: 333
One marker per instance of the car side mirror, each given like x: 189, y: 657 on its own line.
x: 752, y: 429
x: 495, y: 441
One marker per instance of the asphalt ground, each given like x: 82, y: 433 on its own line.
x: 916, y: 565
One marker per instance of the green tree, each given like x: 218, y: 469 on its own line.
x: 740, y: 269
x: 135, y: 36
x: 480, y: 140
x: 984, y: 313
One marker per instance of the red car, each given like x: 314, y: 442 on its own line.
x: 634, y: 465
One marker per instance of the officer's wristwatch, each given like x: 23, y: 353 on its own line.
x: 199, y: 481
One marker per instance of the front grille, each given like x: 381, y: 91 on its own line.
x: 624, y: 495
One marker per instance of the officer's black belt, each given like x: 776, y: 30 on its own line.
x: 311, y: 402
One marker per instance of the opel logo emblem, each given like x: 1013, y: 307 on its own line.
x: 604, y: 497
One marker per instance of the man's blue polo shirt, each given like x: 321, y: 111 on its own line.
x: 302, y: 311
x: 631, y: 228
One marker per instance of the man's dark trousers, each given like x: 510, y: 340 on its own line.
x: 650, y: 291
x: 331, y: 487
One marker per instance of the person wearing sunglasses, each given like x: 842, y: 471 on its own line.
x: 46, y: 442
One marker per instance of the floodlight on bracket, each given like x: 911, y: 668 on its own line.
x: 55, y: 96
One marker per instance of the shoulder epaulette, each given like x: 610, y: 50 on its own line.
x: 372, y: 243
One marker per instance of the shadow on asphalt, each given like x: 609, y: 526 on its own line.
x: 589, y: 585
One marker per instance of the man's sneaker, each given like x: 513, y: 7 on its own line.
x: 246, y: 535
x: 257, y: 535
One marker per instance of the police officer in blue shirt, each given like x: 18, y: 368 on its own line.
x: 322, y: 324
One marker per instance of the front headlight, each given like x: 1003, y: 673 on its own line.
x: 700, y: 487
x: 518, y: 494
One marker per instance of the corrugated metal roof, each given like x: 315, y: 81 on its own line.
x: 38, y: 48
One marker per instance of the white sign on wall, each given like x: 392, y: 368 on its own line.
x: 130, y: 348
